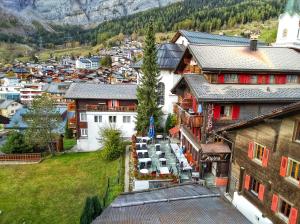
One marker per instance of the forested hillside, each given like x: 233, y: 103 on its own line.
x: 201, y: 15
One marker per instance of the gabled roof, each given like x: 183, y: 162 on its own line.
x: 207, y: 92
x: 241, y: 58
x: 168, y: 56
x: 189, y: 203
x: 211, y: 39
x: 277, y: 113
x: 101, y: 91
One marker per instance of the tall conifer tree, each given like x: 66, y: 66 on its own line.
x: 147, y: 91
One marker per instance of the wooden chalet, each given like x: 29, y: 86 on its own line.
x: 266, y: 163
x: 223, y: 85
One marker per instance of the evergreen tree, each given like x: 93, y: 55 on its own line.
x: 88, y: 211
x: 97, y: 207
x: 147, y: 91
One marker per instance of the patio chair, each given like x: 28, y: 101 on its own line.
x: 162, y: 155
x: 157, y: 147
x: 149, y: 164
x: 163, y: 163
x: 138, y: 146
x: 146, y: 155
x: 142, y: 165
x: 144, y: 146
x: 140, y: 155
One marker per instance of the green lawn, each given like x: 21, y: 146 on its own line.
x: 69, y: 143
x: 54, y: 191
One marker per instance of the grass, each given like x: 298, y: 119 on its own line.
x: 69, y: 143
x: 55, y: 190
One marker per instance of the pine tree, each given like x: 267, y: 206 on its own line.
x: 147, y: 93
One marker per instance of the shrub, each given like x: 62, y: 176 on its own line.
x: 16, y: 144
x: 113, y: 146
x: 92, y: 209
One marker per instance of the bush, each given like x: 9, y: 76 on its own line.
x: 113, y: 146
x: 16, y: 144
x: 92, y: 209
x: 68, y: 132
x: 170, y: 122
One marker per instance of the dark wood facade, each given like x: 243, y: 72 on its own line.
x: 266, y: 166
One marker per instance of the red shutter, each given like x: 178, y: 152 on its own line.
x: 265, y: 157
x: 277, y: 79
x: 221, y: 78
x: 247, y: 79
x: 283, y: 79
x: 250, y: 149
x: 242, y: 79
x: 261, y: 192
x: 117, y: 103
x: 274, y: 203
x: 283, y: 166
x: 109, y: 104
x: 194, y: 105
x: 217, y: 112
x: 260, y: 79
x: 235, y: 112
x: 267, y: 79
x: 293, y: 216
x: 247, y: 182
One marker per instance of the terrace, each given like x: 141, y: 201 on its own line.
x: 161, y: 160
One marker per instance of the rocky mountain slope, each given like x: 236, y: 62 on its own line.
x: 77, y: 12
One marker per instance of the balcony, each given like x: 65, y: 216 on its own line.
x: 104, y: 108
x: 71, y: 107
x: 192, y: 120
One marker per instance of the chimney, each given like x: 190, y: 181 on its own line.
x: 253, y: 43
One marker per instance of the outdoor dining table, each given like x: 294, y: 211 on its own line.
x: 144, y: 171
x: 158, y: 152
x: 180, y: 156
x: 141, y: 151
x: 162, y: 159
x: 144, y: 160
x: 164, y: 170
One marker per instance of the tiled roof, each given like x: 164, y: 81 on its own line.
x: 213, y: 39
x: 208, y: 92
x: 238, y: 58
x: 168, y: 56
x: 101, y: 91
x: 5, y: 103
x: 58, y: 87
x: 176, y: 205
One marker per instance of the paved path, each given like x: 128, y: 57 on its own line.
x: 127, y: 171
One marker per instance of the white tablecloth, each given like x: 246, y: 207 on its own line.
x: 144, y: 160
x: 142, y: 151
x: 180, y: 157
x: 162, y: 159
x: 164, y: 170
x: 144, y: 171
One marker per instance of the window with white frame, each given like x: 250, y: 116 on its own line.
x: 230, y: 78
x: 97, y: 119
x: 292, y: 79
x: 83, y: 116
x: 293, y: 170
x: 284, y: 209
x: 253, y: 79
x: 112, y: 119
x: 272, y: 79
x: 225, y: 112
x: 161, y: 93
x: 258, y: 151
x: 84, y: 132
x: 126, y: 119
x: 254, y: 186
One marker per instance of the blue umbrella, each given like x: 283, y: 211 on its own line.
x: 151, y: 132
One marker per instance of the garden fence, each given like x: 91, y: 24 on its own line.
x: 28, y: 157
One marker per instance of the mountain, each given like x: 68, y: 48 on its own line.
x: 77, y: 12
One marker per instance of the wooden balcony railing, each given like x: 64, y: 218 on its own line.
x: 196, y: 121
x: 114, y: 109
x: 186, y: 104
x: 190, y: 120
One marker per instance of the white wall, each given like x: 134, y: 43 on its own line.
x: 91, y: 143
x: 182, y: 40
x: 292, y: 26
x: 252, y: 213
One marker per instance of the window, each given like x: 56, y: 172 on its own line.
x: 83, y: 132
x: 292, y: 79
x: 253, y: 79
x: 258, y: 151
x: 126, y: 119
x: 297, y: 131
x: 272, y: 79
x: 254, y: 186
x: 83, y: 117
x: 225, y: 112
x: 161, y: 93
x: 284, y: 209
x: 98, y: 119
x: 231, y: 78
x: 294, y: 169
x: 112, y: 119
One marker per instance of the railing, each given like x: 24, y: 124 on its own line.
x: 71, y: 107
x: 114, y: 109
x: 190, y: 120
x: 29, y: 157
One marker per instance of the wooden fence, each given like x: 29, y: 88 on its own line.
x: 28, y: 157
